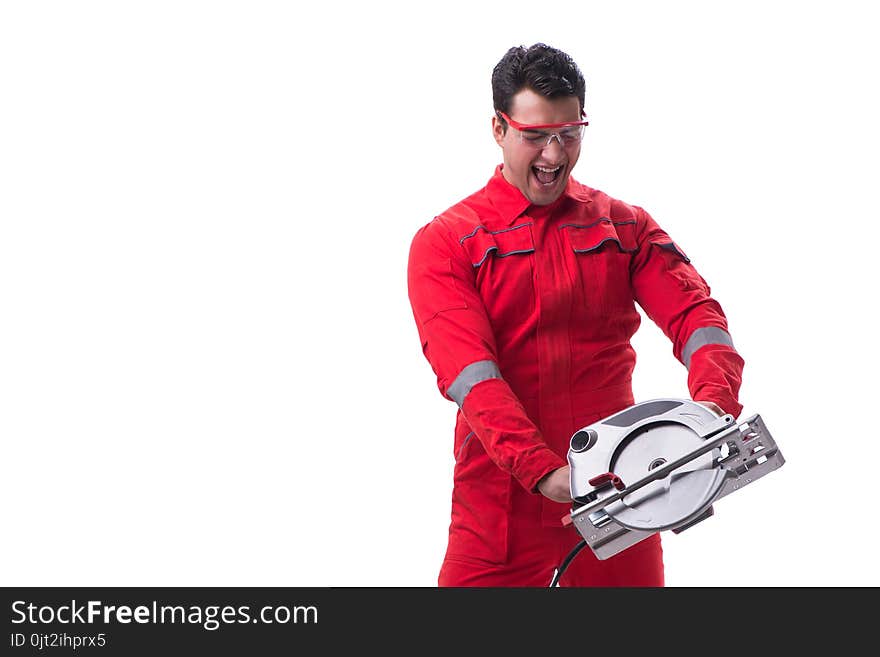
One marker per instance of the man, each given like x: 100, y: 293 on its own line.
x: 524, y: 297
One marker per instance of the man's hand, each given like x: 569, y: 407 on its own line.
x: 556, y: 485
x: 712, y: 406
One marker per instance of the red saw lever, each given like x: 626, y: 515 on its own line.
x: 602, y: 480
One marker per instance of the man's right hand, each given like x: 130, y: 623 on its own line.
x: 557, y: 485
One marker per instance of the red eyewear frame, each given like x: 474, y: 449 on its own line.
x: 542, y: 126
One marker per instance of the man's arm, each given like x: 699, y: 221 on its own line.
x: 678, y: 300
x: 458, y: 341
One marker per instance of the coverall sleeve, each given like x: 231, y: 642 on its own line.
x: 677, y: 299
x: 459, y: 343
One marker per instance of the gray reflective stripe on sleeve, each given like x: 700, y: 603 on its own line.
x: 700, y: 338
x: 471, y: 376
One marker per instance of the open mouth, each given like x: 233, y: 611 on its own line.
x: 547, y: 176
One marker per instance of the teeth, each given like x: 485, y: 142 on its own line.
x: 546, y: 170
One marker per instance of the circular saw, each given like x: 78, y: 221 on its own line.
x: 660, y: 465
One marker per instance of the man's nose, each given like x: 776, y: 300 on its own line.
x: 553, y: 150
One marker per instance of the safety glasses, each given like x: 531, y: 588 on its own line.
x: 539, y: 136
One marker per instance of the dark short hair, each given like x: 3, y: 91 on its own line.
x: 545, y: 70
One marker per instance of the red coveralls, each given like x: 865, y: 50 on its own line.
x: 525, y: 314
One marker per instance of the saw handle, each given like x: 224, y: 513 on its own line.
x: 602, y: 480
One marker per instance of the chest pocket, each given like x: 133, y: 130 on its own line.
x: 602, y: 251
x: 503, y: 262
x: 482, y: 243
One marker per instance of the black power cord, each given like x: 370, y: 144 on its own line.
x: 565, y: 562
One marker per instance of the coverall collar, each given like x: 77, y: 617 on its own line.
x: 510, y: 202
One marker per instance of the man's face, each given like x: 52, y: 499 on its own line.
x: 540, y: 173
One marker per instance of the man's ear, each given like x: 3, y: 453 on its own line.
x: 497, y: 129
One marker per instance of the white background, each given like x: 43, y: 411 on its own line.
x: 209, y: 370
